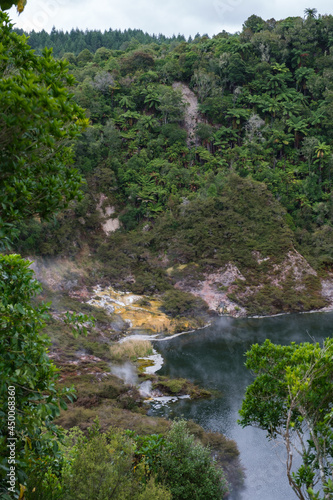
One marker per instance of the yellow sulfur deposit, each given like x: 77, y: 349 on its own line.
x: 140, y: 312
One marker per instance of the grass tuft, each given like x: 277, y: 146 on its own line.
x: 131, y: 349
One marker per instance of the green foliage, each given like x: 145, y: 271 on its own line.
x: 270, y: 299
x: 26, y: 366
x: 187, y: 468
x: 265, y: 101
x: 259, y: 183
x: 79, y: 321
x: 101, y: 468
x: 174, y: 386
x: 254, y: 23
x: 171, y: 106
x: 177, y: 303
x: 104, y: 44
x: 291, y: 397
x: 173, y: 133
x: 180, y: 386
x: 148, y: 448
x: 244, y: 217
x: 137, y: 60
x: 37, y: 118
x: 154, y: 491
x: 84, y: 57
x: 182, y: 464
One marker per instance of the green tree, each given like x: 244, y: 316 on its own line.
x: 187, y: 467
x: 291, y: 398
x: 70, y: 57
x: 299, y: 125
x: 84, y: 57
x: 323, y: 150
x: 204, y: 132
x: 171, y: 106
x: 254, y: 23
x: 237, y: 115
x: 151, y: 97
x: 309, y: 146
x: 236, y: 71
x: 138, y: 60
x: 29, y: 400
x: 310, y: 13
x: 101, y: 468
x: 7, y: 4
x: 148, y: 122
x: 37, y: 119
x: 126, y: 102
x: 108, y: 466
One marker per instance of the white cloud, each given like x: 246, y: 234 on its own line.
x: 155, y: 16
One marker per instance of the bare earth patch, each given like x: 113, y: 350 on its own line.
x: 110, y: 224
x: 191, y: 111
x: 327, y: 292
x: 59, y: 274
x: 214, y: 289
x: 296, y: 264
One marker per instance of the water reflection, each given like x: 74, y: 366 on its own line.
x: 214, y: 358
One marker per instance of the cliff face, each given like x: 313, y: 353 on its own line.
x: 192, y: 116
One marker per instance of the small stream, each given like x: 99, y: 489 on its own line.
x: 214, y: 358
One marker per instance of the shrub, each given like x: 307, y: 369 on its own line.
x: 187, y: 468
x: 101, y: 469
x: 178, y: 303
x: 154, y: 491
x: 102, y: 466
x: 131, y: 349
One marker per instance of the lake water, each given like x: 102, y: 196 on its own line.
x: 214, y: 358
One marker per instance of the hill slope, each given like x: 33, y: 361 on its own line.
x: 233, y: 205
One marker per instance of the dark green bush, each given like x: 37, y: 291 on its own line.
x: 178, y: 303
x: 187, y: 467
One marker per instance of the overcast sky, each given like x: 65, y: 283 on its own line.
x: 168, y: 17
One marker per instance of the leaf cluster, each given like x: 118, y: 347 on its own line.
x: 26, y: 366
x: 291, y: 398
x: 38, y: 118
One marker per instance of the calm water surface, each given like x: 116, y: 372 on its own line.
x: 214, y: 358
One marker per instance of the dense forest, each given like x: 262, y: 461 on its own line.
x: 77, y: 40
x: 250, y: 176
x: 155, y: 165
